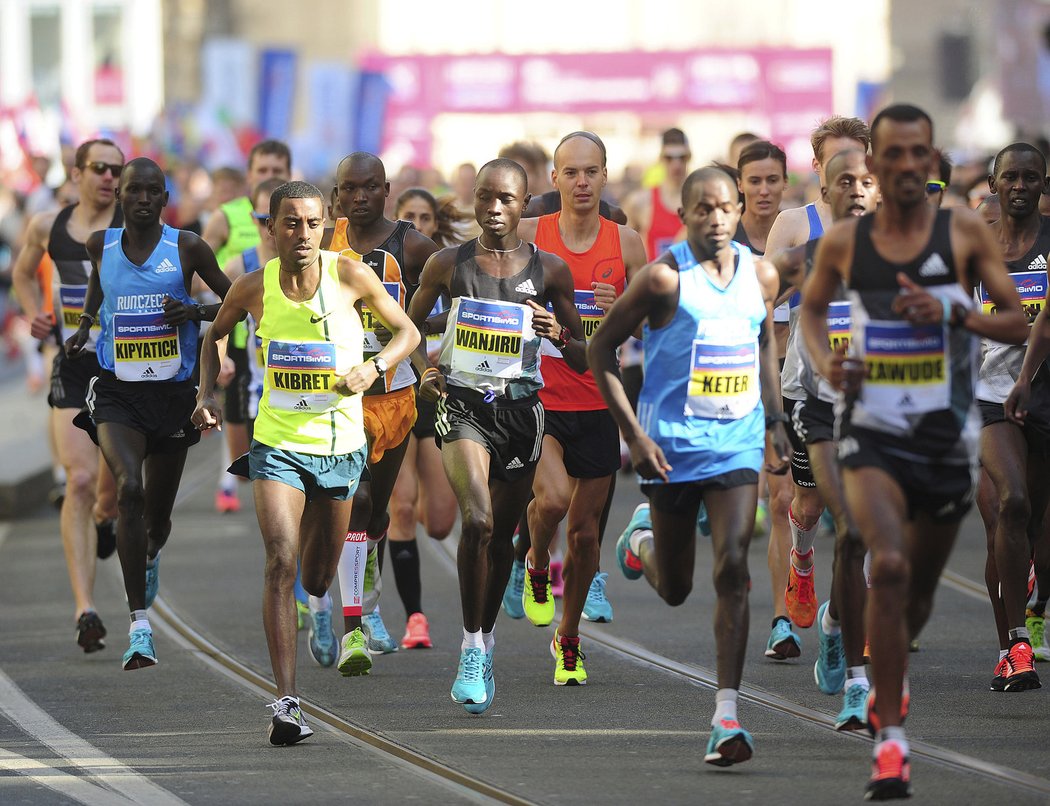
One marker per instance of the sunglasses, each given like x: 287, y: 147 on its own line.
x: 262, y: 218
x: 100, y: 168
x: 676, y: 157
x: 935, y: 186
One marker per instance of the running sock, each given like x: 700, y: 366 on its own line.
x: 828, y: 625
x: 802, y: 538
x: 139, y: 621
x: 1019, y: 634
x: 321, y: 604
x: 725, y: 706
x: 228, y: 484
x: 473, y: 640
x: 892, y: 734
x: 489, y: 639
x: 530, y: 567
x: 1003, y: 653
x: 352, y: 573
x: 801, y: 572
x: 404, y: 556
x: 857, y: 676
x: 636, y: 539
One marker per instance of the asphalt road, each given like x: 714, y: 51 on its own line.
x: 74, y: 728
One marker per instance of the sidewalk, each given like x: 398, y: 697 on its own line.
x: 25, y: 461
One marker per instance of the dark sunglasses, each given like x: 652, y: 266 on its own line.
x: 935, y: 186
x: 262, y: 218
x: 100, y: 168
x: 676, y: 157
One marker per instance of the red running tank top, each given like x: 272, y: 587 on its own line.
x: 663, y: 228
x: 564, y: 389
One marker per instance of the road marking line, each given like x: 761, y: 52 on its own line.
x: 71, y: 786
x: 36, y: 722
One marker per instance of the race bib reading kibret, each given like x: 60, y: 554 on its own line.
x: 301, y: 376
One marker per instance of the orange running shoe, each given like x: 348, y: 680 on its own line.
x: 800, y: 597
x: 417, y: 633
x: 227, y: 502
x: 1020, y: 668
x: 890, y: 773
x: 874, y: 725
x: 1002, y: 669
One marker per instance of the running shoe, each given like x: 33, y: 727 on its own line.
x: 380, y: 641
x: 1037, y: 632
x: 321, y: 638
x: 470, y: 688
x: 106, y: 544
x: 354, y: 659
x: 373, y: 584
x: 854, y: 713
x: 800, y: 597
x: 729, y: 744
x: 703, y: 523
x: 1020, y: 673
x: 302, y: 614
x: 761, y: 517
x: 913, y: 645
x: 890, y: 773
x: 568, y: 661
x: 490, y: 687
x: 631, y: 563
x: 515, y: 589
x: 557, y: 579
x: 598, y: 608
x: 227, y: 502
x: 783, y: 642
x: 827, y: 523
x: 1002, y: 669
x: 140, y: 652
x: 830, y: 669
x: 872, y: 718
x: 417, y: 633
x: 536, y: 599
x: 90, y: 632
x: 152, y: 580
x: 287, y: 726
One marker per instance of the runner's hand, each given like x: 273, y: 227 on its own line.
x: 75, y: 343
x: 357, y: 380
x: 207, y: 414
x: 778, y: 450
x: 432, y: 387
x: 916, y: 304
x: 42, y: 326
x: 604, y: 295
x: 544, y: 324
x: 383, y: 336
x: 1016, y: 406
x: 648, y: 459
x: 175, y: 312
x: 843, y: 373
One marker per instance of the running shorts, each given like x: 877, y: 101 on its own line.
x: 682, y: 496
x: 801, y: 472
x: 590, y: 441
x: 814, y: 420
x: 70, y: 378
x: 333, y: 477
x: 389, y: 419
x: 425, y: 411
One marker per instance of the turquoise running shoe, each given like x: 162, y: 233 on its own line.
x: 152, y: 580
x: 729, y: 744
x: 631, y: 563
x: 321, y: 638
x: 379, y: 640
x: 490, y: 688
x: 597, y: 608
x: 830, y: 669
x: 783, y: 642
x: 470, y: 688
x: 141, y: 653
x: 515, y: 588
x: 703, y: 523
x: 854, y: 713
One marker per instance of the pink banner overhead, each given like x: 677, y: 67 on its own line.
x: 792, y: 89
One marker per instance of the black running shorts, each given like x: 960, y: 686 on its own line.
x: 589, y: 439
x: 426, y: 410
x: 70, y: 378
x: 814, y: 421
x: 682, y: 496
x: 511, y: 430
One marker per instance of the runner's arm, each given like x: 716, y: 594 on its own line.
x: 92, y: 298
x: 197, y: 259
x: 565, y: 328
x: 235, y: 306
x: 777, y: 443
x: 433, y: 280
x: 418, y: 249
x: 23, y: 274
x: 829, y: 264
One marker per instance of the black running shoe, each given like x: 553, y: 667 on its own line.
x: 107, y: 538
x: 90, y: 632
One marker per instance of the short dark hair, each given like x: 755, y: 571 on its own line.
x: 293, y: 190
x: 266, y: 186
x: 900, y: 113
x: 673, y: 137
x: 271, y: 147
x: 706, y: 174
x: 761, y: 150
x: 1020, y: 148
x: 586, y: 136
x: 505, y: 164
x: 944, y: 166
x: 80, y: 158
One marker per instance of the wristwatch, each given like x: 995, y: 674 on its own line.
x: 380, y: 362
x: 200, y: 311
x: 773, y: 419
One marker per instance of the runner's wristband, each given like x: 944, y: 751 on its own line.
x: 427, y: 372
x: 91, y: 319
x: 773, y: 419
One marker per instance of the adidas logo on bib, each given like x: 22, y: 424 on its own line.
x: 933, y: 266
x: 165, y: 266
x: 906, y: 400
x: 302, y: 405
x: 515, y: 464
x: 148, y: 374
x: 526, y: 288
x: 725, y: 413
x: 483, y: 367
x: 1039, y: 264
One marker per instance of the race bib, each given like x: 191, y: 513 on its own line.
x: 723, y: 377
x: 1031, y: 288
x: 301, y: 376
x: 489, y: 338
x: 590, y: 314
x: 369, y: 322
x: 838, y: 324
x: 71, y: 299
x: 907, y: 367
x: 145, y: 348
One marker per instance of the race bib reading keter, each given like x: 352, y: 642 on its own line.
x: 145, y: 348
x: 723, y: 378
x: 301, y: 376
x: 1031, y: 288
x: 907, y: 367
x: 489, y: 338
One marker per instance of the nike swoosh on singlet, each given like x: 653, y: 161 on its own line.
x: 316, y: 320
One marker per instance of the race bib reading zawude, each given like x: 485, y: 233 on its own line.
x: 145, y: 348
x: 723, y: 378
x: 489, y: 338
x: 301, y: 376
x: 369, y: 322
x: 71, y: 298
x: 838, y: 324
x: 907, y: 367
x: 1031, y: 287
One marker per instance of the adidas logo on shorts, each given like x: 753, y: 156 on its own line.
x: 148, y: 374
x: 180, y: 434
x: 515, y: 464
x: 483, y: 367
x: 302, y: 405
x: 165, y: 266
x: 847, y: 447
x: 526, y: 288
